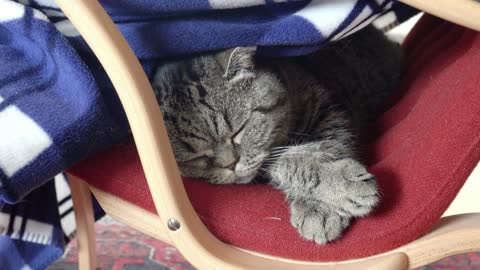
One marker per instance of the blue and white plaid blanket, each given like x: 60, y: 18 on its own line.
x: 57, y: 106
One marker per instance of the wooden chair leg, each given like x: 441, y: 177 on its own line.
x: 83, y: 209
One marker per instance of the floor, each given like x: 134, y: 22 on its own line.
x: 122, y: 248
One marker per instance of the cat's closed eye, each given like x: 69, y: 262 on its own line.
x: 200, y: 161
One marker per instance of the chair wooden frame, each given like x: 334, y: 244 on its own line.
x: 452, y: 235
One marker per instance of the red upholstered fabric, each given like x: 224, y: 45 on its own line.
x: 426, y: 146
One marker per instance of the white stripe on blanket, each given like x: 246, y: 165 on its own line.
x: 46, y: 3
x: 66, y: 27
x: 225, y: 4
x: 326, y: 16
x: 363, y: 24
x: 36, y: 232
x: 63, y: 191
x: 53, y: 13
x: 39, y: 15
x: 21, y: 140
x: 367, y: 11
x: 10, y: 11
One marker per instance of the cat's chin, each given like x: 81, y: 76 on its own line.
x: 244, y: 179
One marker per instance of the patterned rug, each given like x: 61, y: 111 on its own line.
x: 122, y: 248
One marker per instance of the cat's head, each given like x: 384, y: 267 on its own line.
x: 223, y: 114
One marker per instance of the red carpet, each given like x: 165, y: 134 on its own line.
x: 122, y: 248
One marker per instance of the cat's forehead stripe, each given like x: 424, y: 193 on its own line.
x: 227, y: 121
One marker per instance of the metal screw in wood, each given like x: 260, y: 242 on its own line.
x: 173, y: 224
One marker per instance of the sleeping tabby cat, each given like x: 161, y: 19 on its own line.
x: 295, y: 121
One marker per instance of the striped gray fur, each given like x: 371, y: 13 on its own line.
x: 231, y: 117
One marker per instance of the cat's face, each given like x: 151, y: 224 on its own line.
x: 223, y: 116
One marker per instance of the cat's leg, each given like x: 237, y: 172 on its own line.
x: 324, y: 196
x: 323, y: 192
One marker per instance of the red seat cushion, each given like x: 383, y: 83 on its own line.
x: 426, y: 146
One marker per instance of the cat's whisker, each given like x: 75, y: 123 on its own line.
x: 302, y: 134
x: 277, y: 153
x: 291, y: 153
x: 280, y: 147
x: 263, y: 170
x: 273, y: 156
x: 286, y: 154
x: 272, y: 162
x: 278, y: 150
x: 281, y: 162
x: 262, y: 174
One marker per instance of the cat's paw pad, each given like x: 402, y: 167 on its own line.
x: 354, y: 171
x: 358, y: 204
x: 356, y: 192
x: 317, y: 224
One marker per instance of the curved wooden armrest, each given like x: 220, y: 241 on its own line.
x: 462, y: 12
x: 149, y: 132
x: 451, y: 235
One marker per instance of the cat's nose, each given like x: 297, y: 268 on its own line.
x: 232, y: 165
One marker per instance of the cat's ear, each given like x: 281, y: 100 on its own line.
x: 237, y: 59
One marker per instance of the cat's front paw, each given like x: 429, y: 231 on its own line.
x: 317, y: 223
x: 353, y: 189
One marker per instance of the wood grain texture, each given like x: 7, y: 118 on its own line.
x: 83, y: 210
x: 132, y: 215
x: 462, y: 12
x: 467, y: 200
x: 450, y: 236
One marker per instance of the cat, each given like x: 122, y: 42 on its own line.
x: 231, y: 116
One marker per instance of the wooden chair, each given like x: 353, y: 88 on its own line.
x: 177, y: 222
